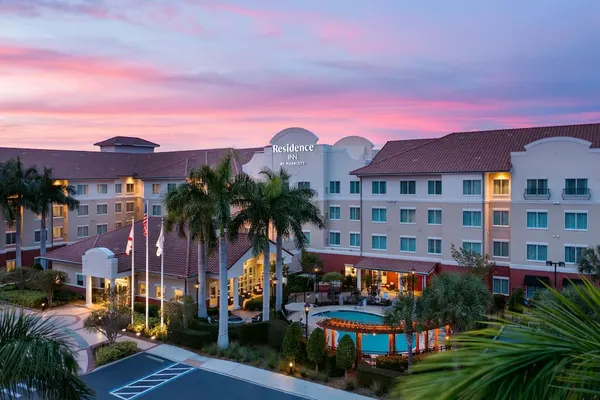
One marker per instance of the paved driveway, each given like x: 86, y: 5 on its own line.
x: 150, y: 377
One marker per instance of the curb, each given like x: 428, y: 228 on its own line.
x: 110, y: 363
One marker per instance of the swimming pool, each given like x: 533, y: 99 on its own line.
x: 371, y: 344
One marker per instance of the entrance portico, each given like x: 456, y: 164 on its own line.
x: 100, y: 262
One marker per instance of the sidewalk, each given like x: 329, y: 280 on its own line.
x: 257, y: 376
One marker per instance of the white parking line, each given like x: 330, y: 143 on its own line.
x: 146, y: 384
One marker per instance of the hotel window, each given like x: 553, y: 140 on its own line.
x: 303, y: 185
x: 79, y: 278
x: 379, y: 242
x: 130, y: 187
x: 537, y: 187
x: 156, y: 210
x: 500, y: 218
x: 118, y: 207
x: 82, y: 231
x: 500, y: 249
x: 473, y: 247
x: 334, y: 238
x: 434, y: 246
x: 378, y: 214
x: 118, y: 224
x: 155, y: 188
x: 82, y: 210
x: 142, y: 289
x: 81, y: 190
x: 537, y: 219
x: 171, y: 186
x: 11, y: 265
x: 537, y: 252
x: 102, y: 188
x: 37, y: 237
x: 57, y: 211
x: 307, y: 237
x: 334, y: 212
x: 118, y: 188
x: 573, y: 254
x: 354, y: 187
x: 11, y: 238
x: 408, y: 244
x: 501, y: 186
x: 130, y: 206
x: 158, y: 292
x: 101, y: 229
x: 408, y: 187
x: 434, y: 187
x: 354, y: 213
x: 472, y: 187
x: 577, y: 221
x: 576, y: 187
x: 334, y: 187
x: 57, y: 233
x: 500, y: 285
x: 471, y: 218
x: 354, y: 239
x: 102, y: 209
x: 434, y: 217
x: 177, y: 294
x: 408, y: 216
x: 379, y: 187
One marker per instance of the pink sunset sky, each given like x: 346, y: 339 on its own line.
x: 210, y: 73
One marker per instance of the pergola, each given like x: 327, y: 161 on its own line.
x: 336, y: 324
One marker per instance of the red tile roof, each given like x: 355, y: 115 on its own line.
x: 175, y: 251
x: 482, y: 151
x: 396, y: 265
x: 126, y: 141
x: 395, y: 147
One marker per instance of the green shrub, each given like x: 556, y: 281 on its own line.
x: 190, y: 337
x: 315, y: 348
x: 153, y: 309
x: 331, y: 368
x: 349, y: 385
x: 25, y: 298
x: 213, y: 329
x: 272, y: 361
x: 233, y: 352
x: 516, y: 300
x: 211, y: 311
x: 291, y: 342
x: 254, y: 304
x: 283, y: 365
x: 366, y: 375
x: 345, y: 353
x: 114, y: 352
x: 139, y: 323
x: 379, y: 388
x: 66, y: 296
x: 277, y: 330
x: 211, y: 349
x: 37, y: 267
x: 254, y: 334
x: 392, y: 362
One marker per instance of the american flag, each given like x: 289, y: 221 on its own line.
x: 145, y: 220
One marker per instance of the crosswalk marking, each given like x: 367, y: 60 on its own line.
x: 150, y: 382
x: 16, y: 395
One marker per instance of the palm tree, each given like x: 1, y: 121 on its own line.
x: 406, y: 313
x: 47, y: 192
x: 551, y: 354
x: 290, y: 209
x: 589, y: 262
x: 18, y: 194
x: 460, y: 300
x: 190, y: 208
x: 36, y: 352
x: 255, y: 214
x: 220, y: 187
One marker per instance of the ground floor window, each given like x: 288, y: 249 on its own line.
x: 532, y: 291
x: 102, y: 283
x: 142, y: 289
x: 158, y: 291
x: 500, y: 285
x: 79, y: 280
x: 177, y: 293
x: 11, y: 265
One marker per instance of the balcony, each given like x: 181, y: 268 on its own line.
x: 536, y: 194
x: 576, y: 194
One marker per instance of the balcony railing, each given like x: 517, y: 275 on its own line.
x: 576, y: 194
x: 537, y: 194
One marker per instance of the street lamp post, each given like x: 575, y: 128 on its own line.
x: 412, y: 280
x: 306, y: 310
x: 196, y: 286
x: 555, y: 264
x: 273, y: 291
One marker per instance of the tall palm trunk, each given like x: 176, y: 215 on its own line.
x: 279, y: 273
x: 223, y: 339
x: 266, y: 281
x: 43, y: 238
x: 409, y: 346
x: 18, y: 258
x: 202, y: 312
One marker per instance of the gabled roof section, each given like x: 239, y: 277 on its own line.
x: 480, y: 151
x: 126, y: 141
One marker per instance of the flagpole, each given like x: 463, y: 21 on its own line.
x: 162, y: 274
x: 132, y: 269
x: 147, y: 265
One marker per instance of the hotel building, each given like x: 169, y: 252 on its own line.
x: 523, y: 196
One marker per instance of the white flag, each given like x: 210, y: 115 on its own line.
x: 160, y: 243
x: 129, y: 241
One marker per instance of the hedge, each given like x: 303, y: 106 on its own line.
x: 191, y: 338
x: 26, y: 298
x: 254, y: 334
x: 331, y: 367
x: 114, y: 352
x: 213, y: 329
x: 366, y: 375
x: 392, y: 362
x: 254, y: 304
x: 277, y: 333
x: 153, y: 309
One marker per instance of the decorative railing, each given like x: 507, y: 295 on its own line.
x: 576, y: 194
x: 536, y: 194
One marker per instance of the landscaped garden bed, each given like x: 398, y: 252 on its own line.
x: 107, y: 353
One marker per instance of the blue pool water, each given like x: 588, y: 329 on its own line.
x: 371, y: 344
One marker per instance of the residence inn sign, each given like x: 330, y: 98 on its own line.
x: 291, y: 142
